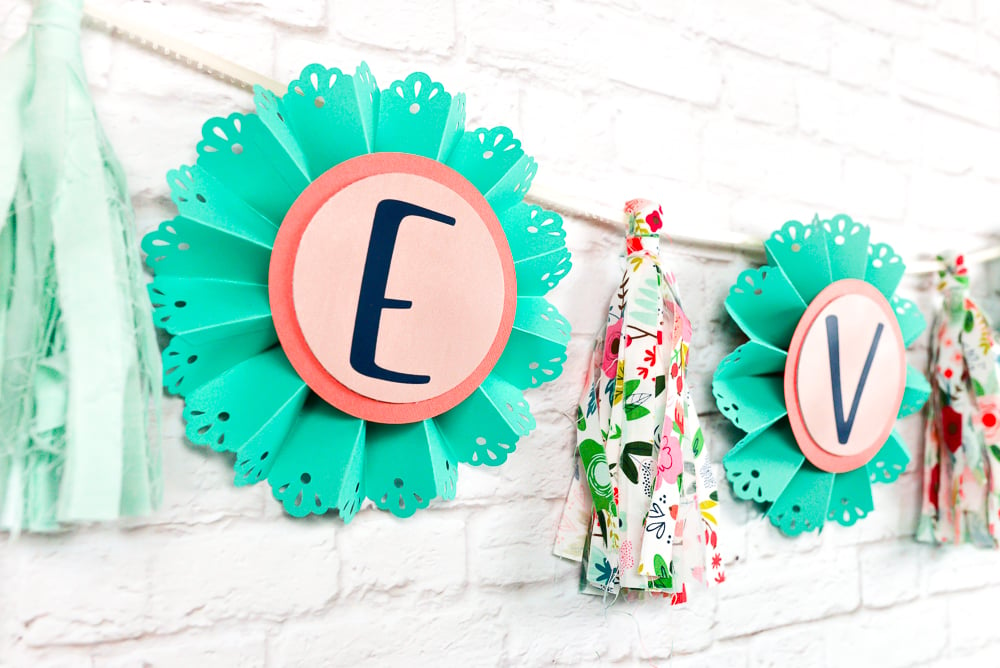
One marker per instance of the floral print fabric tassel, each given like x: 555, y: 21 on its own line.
x: 641, y: 511
x: 962, y: 452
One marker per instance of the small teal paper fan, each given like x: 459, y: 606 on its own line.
x: 210, y: 293
x: 769, y: 465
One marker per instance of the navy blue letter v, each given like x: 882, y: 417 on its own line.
x: 833, y: 345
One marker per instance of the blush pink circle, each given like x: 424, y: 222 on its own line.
x: 297, y: 310
x: 450, y: 274
x: 859, y: 307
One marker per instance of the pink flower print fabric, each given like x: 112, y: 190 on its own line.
x: 612, y: 339
x: 961, y: 498
x: 649, y: 524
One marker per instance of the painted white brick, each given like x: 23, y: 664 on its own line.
x: 380, y: 554
x: 801, y: 645
x: 575, y: 627
x: 530, y: 36
x: 890, y: 572
x: 888, y: 16
x: 760, y: 91
x: 957, y: 41
x: 986, y: 657
x: 96, y: 48
x: 298, y: 13
x: 14, y: 17
x: 785, y: 31
x: 240, y: 570
x: 730, y: 653
x: 541, y: 464
x: 971, y: 621
x: 969, y: 200
x: 860, y: 56
x: 989, y: 16
x: 873, y: 189
x: 733, y: 158
x: 198, y: 488
x: 957, y: 569
x: 651, y: 57
x: 956, y: 88
x: 774, y: 591
x: 244, y: 646
x: 241, y: 38
x: 511, y: 544
x: 987, y: 155
x: 953, y: 146
x: 661, y: 137
x: 396, y: 630
x: 147, y: 153
x: 872, y: 124
x: 88, y: 588
x: 427, y: 27
x: 902, y: 636
x: 664, y: 631
x: 958, y: 10
x: 686, y: 203
x: 334, y: 50
x: 599, y: 283
x: 556, y: 123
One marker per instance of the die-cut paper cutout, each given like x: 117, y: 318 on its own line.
x: 231, y: 286
x: 820, y: 384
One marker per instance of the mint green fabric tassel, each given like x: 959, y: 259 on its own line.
x: 79, y: 362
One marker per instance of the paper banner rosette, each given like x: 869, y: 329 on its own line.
x: 962, y: 450
x: 823, y: 379
x: 641, y: 511
x: 355, y: 291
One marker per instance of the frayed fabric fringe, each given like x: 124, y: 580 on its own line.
x: 962, y: 450
x: 641, y: 514
x: 79, y: 363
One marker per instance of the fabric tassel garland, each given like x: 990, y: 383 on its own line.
x: 79, y: 363
x: 641, y: 510
x: 962, y: 449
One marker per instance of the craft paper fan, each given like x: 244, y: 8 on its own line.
x: 212, y: 265
x: 824, y: 323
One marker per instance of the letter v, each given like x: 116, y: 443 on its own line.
x: 833, y: 345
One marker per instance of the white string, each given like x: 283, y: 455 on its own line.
x: 566, y: 203
x: 613, y: 216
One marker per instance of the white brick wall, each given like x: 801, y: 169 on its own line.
x: 736, y: 114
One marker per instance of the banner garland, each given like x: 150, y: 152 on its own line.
x: 241, y: 292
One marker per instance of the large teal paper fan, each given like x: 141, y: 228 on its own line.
x: 769, y: 465
x: 210, y: 293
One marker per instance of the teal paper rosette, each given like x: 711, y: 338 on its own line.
x: 210, y: 293
x: 751, y: 385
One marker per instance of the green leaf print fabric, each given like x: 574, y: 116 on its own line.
x: 641, y: 511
